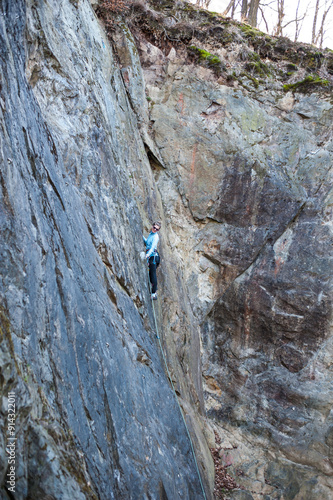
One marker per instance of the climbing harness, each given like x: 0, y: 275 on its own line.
x: 174, y: 391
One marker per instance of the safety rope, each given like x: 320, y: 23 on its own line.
x: 180, y: 409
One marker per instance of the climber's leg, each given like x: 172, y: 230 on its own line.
x: 152, y: 274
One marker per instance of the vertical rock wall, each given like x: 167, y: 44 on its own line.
x: 247, y: 193
x: 96, y: 417
x: 98, y: 138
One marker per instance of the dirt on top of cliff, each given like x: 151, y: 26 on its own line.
x: 234, y: 51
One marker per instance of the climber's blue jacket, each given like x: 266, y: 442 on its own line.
x: 151, y: 244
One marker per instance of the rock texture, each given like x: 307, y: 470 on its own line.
x: 247, y: 197
x: 96, y: 416
x: 225, y: 135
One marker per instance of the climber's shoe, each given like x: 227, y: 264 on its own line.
x: 154, y: 296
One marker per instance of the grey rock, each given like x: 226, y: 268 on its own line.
x: 71, y: 278
x: 246, y: 191
x: 241, y: 178
x: 241, y: 495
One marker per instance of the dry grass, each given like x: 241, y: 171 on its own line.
x: 110, y: 10
x: 224, y: 482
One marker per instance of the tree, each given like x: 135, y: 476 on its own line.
x: 280, y: 17
x: 253, y: 12
x: 314, y: 24
x: 203, y: 3
x: 249, y: 11
x: 318, y: 35
x: 232, y: 5
x: 281, y: 14
x: 299, y: 20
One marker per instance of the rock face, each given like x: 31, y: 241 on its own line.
x: 176, y: 116
x: 247, y: 196
x: 96, y: 416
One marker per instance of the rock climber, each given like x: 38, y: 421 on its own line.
x: 152, y: 256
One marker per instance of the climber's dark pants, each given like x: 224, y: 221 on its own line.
x: 153, y: 265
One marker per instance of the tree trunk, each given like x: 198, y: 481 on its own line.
x: 298, y: 24
x: 278, y: 28
x: 313, y: 39
x: 231, y: 4
x: 253, y: 12
x: 244, y: 10
x: 203, y: 3
x: 321, y: 32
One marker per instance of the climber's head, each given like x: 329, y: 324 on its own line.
x: 156, y: 227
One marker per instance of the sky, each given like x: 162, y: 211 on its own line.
x: 290, y: 6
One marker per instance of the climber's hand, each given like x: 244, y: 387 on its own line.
x: 142, y: 255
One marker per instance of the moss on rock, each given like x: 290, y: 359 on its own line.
x: 255, y: 65
x: 204, y: 57
x: 253, y: 80
x: 307, y: 84
x: 292, y: 67
x: 194, y: 31
x: 251, y: 32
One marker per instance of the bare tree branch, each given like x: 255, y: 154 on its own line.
x: 321, y: 30
x: 234, y: 8
x: 298, y: 21
x: 203, y: 3
x: 271, y: 15
x: 231, y: 4
x: 293, y: 21
x: 313, y: 39
x: 278, y: 30
x: 264, y: 19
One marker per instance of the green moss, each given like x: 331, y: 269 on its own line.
x: 214, y: 16
x: 257, y: 66
x: 234, y: 77
x: 250, y: 31
x: 231, y: 77
x: 253, y: 56
x: 254, y: 81
x: 314, y: 60
x: 292, y: 67
x: 307, y: 85
x: 289, y: 70
x: 206, y: 57
x: 189, y: 8
x: 270, y: 40
x: 227, y: 38
x: 303, y: 56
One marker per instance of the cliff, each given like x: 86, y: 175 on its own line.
x: 225, y: 135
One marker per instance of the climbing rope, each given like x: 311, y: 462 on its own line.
x: 181, y: 412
